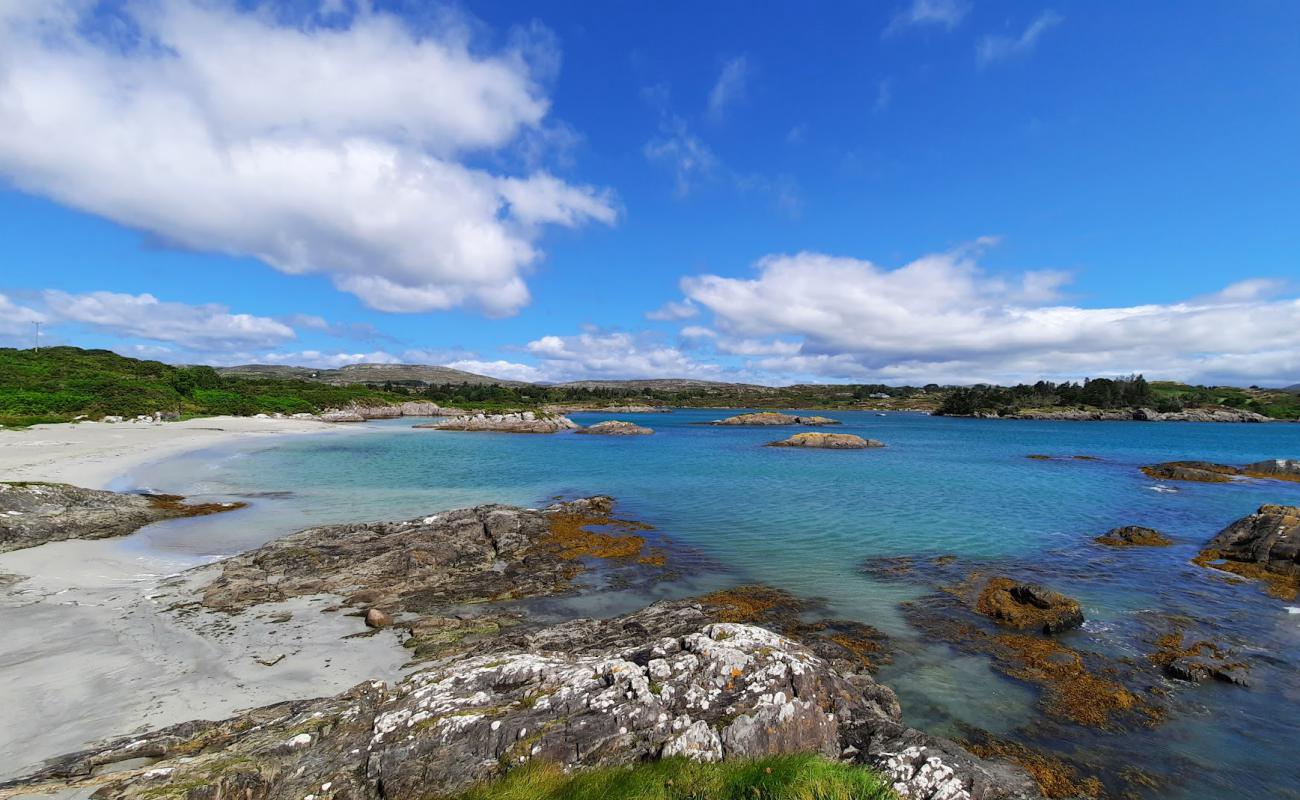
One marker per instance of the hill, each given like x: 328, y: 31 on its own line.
x: 407, y: 374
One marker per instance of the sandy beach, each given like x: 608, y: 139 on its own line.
x: 152, y: 666
x: 93, y: 454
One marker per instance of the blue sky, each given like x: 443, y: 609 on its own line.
x: 911, y: 191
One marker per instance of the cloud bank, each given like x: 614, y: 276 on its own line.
x: 347, y: 150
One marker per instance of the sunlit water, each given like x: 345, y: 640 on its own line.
x: 806, y: 520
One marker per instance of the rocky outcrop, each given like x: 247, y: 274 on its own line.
x: 616, y: 427
x: 774, y: 418
x: 36, y: 513
x: 522, y: 422
x: 1134, y: 536
x: 341, y: 416
x: 1263, y: 546
x: 658, y: 683
x: 827, y: 441
x: 1216, y: 414
x: 1028, y: 606
x: 628, y: 409
x: 1205, y: 472
x: 358, y: 413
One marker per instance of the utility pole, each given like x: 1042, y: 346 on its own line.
x: 38, y: 336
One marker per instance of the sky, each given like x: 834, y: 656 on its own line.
x: 904, y: 191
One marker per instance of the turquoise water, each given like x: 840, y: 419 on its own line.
x: 806, y: 521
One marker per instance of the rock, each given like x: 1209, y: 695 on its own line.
x: 1281, y: 469
x: 1215, y: 414
x: 615, y: 427
x: 827, y: 441
x: 341, y: 416
x: 1264, y: 546
x: 1201, y: 471
x: 504, y: 423
x: 1026, y: 606
x: 1134, y: 536
x: 710, y: 692
x: 112, y: 418
x: 774, y: 418
x: 33, y: 513
x: 376, y: 618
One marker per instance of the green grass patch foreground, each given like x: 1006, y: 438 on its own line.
x: 797, y: 777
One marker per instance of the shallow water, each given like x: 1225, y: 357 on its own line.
x: 806, y: 520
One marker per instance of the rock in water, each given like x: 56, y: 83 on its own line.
x: 774, y: 418
x: 525, y: 422
x: 1201, y: 471
x: 1282, y: 469
x: 616, y: 427
x: 375, y: 618
x: 1026, y: 606
x: 827, y: 441
x: 33, y: 513
x: 1134, y: 536
x: 1264, y: 545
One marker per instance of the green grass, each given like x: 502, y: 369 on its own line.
x: 797, y: 777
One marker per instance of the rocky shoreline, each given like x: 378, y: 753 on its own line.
x: 1125, y: 415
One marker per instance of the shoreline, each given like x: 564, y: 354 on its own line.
x: 95, y: 455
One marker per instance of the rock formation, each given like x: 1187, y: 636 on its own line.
x: 1134, y: 536
x: 34, y: 513
x: 1205, y: 472
x: 616, y: 427
x: 774, y: 418
x: 521, y: 422
x: 1028, y: 606
x: 827, y: 441
x: 1264, y: 545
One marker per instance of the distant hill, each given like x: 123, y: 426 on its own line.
x: 1295, y: 388
x: 670, y: 385
x: 411, y: 374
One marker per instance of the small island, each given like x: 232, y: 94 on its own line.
x: 774, y: 418
x: 617, y: 427
x: 827, y: 441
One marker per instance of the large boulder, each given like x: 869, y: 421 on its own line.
x: 1028, y: 606
x: 33, y: 513
x: 616, y: 427
x: 827, y: 441
x: 774, y: 418
x: 1264, y: 545
x: 1134, y: 536
x: 1201, y: 471
x: 1282, y: 469
x: 341, y: 415
x: 521, y: 422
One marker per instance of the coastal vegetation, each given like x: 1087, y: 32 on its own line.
x: 59, y: 384
x: 790, y: 777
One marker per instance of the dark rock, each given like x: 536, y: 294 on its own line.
x: 1201, y: 471
x: 1026, y: 606
x: 1134, y: 536
x: 1264, y: 546
x: 33, y: 513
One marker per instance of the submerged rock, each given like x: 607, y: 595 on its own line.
x: 774, y: 418
x: 616, y: 427
x: 1134, y: 536
x: 1028, y: 606
x: 827, y: 441
x: 33, y: 513
x: 522, y: 422
x: 1264, y: 546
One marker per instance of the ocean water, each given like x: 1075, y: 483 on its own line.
x: 806, y: 521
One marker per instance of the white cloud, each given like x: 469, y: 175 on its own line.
x: 673, y: 311
x: 594, y: 355
x: 335, y: 149
x: 942, y: 318
x: 204, y: 327
x: 315, y: 358
x: 686, y: 154
x: 729, y: 88
x: 997, y: 47
x: 506, y: 370
x: 16, y: 320
x: 946, y: 14
x: 698, y: 332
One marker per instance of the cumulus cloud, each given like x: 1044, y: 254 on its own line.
x: 313, y: 358
x: 941, y: 317
x: 946, y: 14
x: 341, y: 149
x: 998, y: 47
x: 506, y: 370
x: 199, y: 327
x: 17, y: 320
x: 614, y: 355
x: 729, y: 88
x: 673, y: 311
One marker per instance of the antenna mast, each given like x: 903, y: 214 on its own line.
x: 38, y: 336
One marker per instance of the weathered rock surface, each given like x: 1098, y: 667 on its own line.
x: 774, y: 418
x: 1264, y: 545
x: 36, y: 513
x: 1217, y: 414
x: 466, y: 555
x: 413, y: 408
x: 1028, y: 606
x: 827, y: 441
x: 616, y: 427
x: 1205, y: 472
x: 618, y: 694
x: 625, y: 409
x: 523, y: 422
x: 341, y: 416
x: 1134, y: 536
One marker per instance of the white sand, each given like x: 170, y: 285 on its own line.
x: 90, y: 648
x: 92, y: 454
